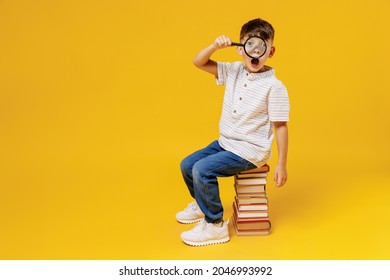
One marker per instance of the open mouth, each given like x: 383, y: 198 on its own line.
x: 255, y: 61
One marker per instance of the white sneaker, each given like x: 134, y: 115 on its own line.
x: 206, y: 234
x: 191, y: 214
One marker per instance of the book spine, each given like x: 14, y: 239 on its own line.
x: 250, y: 205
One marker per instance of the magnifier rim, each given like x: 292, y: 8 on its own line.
x: 265, y: 49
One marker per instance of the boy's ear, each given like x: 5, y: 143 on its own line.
x: 240, y: 50
x: 272, y: 52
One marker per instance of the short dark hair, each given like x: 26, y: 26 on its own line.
x: 258, y: 27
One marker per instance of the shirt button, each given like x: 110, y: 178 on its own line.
x: 240, y: 98
x: 245, y: 85
x: 235, y: 111
x: 247, y: 74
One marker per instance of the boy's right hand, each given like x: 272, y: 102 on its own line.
x: 202, y: 59
x: 222, y: 42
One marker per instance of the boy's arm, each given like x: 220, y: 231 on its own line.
x: 202, y: 59
x: 281, y: 132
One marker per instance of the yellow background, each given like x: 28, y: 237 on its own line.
x: 99, y: 102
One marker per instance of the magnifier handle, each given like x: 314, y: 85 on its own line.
x: 237, y: 44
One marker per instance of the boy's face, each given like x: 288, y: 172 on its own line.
x: 256, y: 65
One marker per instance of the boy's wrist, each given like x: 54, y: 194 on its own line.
x: 213, y: 47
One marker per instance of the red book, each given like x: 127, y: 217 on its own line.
x: 261, y: 169
x: 250, y: 231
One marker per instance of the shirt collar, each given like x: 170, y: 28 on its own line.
x: 255, y: 76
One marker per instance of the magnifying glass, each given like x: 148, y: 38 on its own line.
x: 254, y: 47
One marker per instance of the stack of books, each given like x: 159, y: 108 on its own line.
x: 250, y: 205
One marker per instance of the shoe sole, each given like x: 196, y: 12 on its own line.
x: 189, y: 221
x: 205, y: 243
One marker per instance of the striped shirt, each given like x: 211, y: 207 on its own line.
x: 252, y: 102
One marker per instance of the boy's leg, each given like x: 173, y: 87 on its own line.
x: 188, y: 163
x: 205, y: 172
x: 192, y: 213
x: 206, y: 189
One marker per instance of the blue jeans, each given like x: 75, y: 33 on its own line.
x: 200, y: 171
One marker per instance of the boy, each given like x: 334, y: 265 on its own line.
x: 255, y: 103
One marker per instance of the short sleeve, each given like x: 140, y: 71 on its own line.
x: 223, y: 68
x: 279, y: 105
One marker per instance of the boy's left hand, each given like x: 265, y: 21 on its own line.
x: 280, y: 175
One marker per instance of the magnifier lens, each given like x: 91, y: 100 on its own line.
x: 255, y: 47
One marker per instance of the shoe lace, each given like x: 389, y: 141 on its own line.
x: 191, y: 207
x: 200, y: 226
